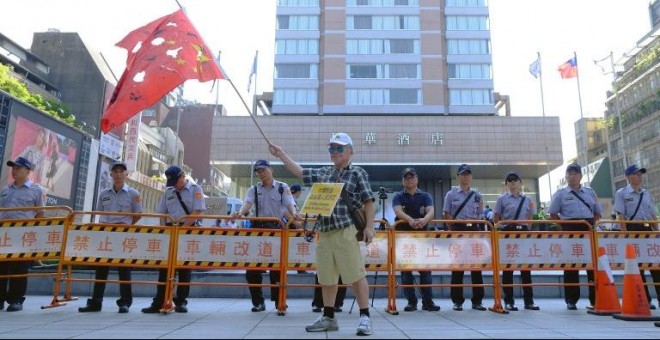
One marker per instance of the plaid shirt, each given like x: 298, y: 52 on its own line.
x: 356, y: 184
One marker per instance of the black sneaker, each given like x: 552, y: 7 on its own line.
x: 15, y: 307
x: 431, y: 307
x: 651, y: 306
x: 510, y: 307
x: 411, y: 307
x: 181, y: 309
x: 123, y: 309
x: 317, y: 309
x: 532, y: 306
x: 478, y: 306
x: 571, y: 306
x: 151, y: 309
x: 89, y: 308
x: 458, y: 307
x: 259, y: 308
x: 339, y: 309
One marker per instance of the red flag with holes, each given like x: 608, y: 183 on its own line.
x: 161, y: 56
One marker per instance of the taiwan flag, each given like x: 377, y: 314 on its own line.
x: 568, y: 69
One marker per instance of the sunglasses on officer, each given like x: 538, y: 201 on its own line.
x: 513, y: 179
x: 337, y: 149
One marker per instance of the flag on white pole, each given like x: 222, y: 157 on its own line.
x: 253, y: 72
x: 535, y: 67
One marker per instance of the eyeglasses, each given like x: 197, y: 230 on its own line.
x: 513, y: 179
x: 339, y: 149
x: 408, y: 178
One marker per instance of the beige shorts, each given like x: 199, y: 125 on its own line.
x: 338, y: 253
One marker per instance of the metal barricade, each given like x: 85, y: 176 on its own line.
x: 111, y: 245
x: 202, y: 247
x: 543, y: 250
x: 444, y: 250
x: 33, y: 239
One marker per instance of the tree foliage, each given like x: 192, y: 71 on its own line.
x: 17, y: 89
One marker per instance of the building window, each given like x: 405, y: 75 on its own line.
x: 381, y: 3
x: 470, y: 97
x: 402, y: 71
x: 466, y: 3
x: 468, y: 46
x: 297, y: 71
x: 467, y: 23
x: 297, y: 3
x: 402, y: 46
x: 384, y: 22
x: 469, y: 71
x: 297, y: 22
x: 295, y: 97
x: 363, y: 71
x: 297, y: 46
x: 383, y: 96
x: 404, y: 96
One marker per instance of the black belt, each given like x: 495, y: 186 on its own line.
x: 638, y: 226
x: 513, y: 227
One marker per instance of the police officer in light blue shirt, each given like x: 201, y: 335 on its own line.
x: 634, y: 203
x: 270, y: 198
x: 181, y: 198
x: 120, y: 197
x: 465, y: 203
x: 21, y: 193
x: 511, y: 206
x: 576, y: 202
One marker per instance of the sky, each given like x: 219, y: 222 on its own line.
x: 519, y: 29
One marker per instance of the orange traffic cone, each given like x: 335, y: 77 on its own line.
x: 607, y: 301
x: 635, y: 305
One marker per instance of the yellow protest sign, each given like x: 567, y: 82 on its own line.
x: 322, y: 199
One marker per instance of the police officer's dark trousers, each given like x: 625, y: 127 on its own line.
x: 572, y: 293
x: 655, y: 274
x: 318, y: 295
x: 255, y: 277
x: 457, y: 276
x: 182, y: 291
x: 13, y: 290
x: 125, y: 293
x: 525, y: 277
x: 407, y: 277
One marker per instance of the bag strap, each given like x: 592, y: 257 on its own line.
x: 458, y: 211
x: 183, y: 205
x: 347, y: 201
x: 641, y: 196
x: 520, y: 207
x: 256, y: 201
x: 581, y: 199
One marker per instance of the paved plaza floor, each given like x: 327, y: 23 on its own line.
x: 221, y: 318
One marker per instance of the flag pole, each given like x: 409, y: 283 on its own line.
x: 254, y: 94
x: 217, y: 89
x: 618, y: 111
x: 586, y: 138
x: 237, y: 93
x: 547, y: 157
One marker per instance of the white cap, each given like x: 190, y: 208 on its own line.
x: 341, y: 139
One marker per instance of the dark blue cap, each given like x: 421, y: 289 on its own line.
x: 463, y: 168
x: 172, y: 173
x: 260, y: 164
x: 119, y: 164
x: 407, y: 171
x: 295, y: 188
x: 515, y: 174
x: 574, y: 167
x: 633, y: 169
x: 20, y: 162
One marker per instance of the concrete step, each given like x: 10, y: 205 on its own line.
x: 45, y: 285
